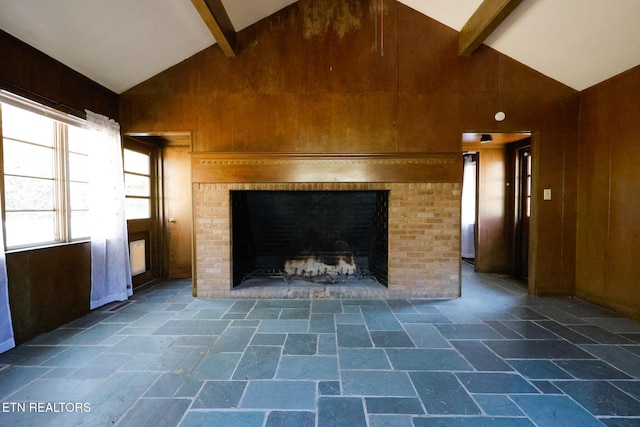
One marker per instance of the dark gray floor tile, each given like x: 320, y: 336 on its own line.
x: 89, y: 320
x: 401, y: 306
x: 471, y: 422
x: 631, y: 387
x: 210, y: 313
x: 425, y: 359
x: 565, y: 332
x: 326, y: 306
x: 216, y: 366
x: 393, y: 405
x: 363, y: 358
x: 599, y: 335
x: 190, y: 388
x: 618, y: 357
x: 497, y: 405
x: 349, y: 318
x: 101, y: 366
x: 63, y: 389
x: 591, y: 369
x: 619, y: 422
x: 341, y: 412
x: 178, y: 359
x: 268, y: 339
x: 258, y: 362
x: 192, y: 327
x: 75, y: 356
x: 553, y: 411
x: 233, y: 340
x: 329, y: 388
x: 301, y: 344
x: 55, y: 337
x: 31, y: 355
x: 283, y: 326
x: 376, y: 383
x: 195, y: 341
x: 143, y: 344
x: 500, y: 328
x: 537, y: 349
x: 590, y: 395
x: 499, y: 383
x: 422, y: 318
x: 322, y: 323
x: 539, y: 369
x: 526, y: 313
x: 280, y: 395
x: 376, y: 420
x: 618, y: 324
x: 530, y: 330
x: 264, y: 313
x: 284, y: 303
x: 353, y: 336
x: 94, y: 335
x: 242, y: 306
x: 308, y: 368
x: 632, y: 337
x: 155, y: 412
x: 327, y: 345
x: 291, y: 418
x: 391, y: 339
x: 167, y: 385
x: 480, y: 357
x: 219, y: 394
x: 380, y: 319
x: 442, y: 393
x: 426, y: 336
x: 295, y: 313
x: 546, y: 387
x: 220, y: 418
x: 469, y: 331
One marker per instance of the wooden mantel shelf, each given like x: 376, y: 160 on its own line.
x: 314, y: 167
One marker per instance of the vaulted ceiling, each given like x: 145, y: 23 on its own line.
x: 120, y: 43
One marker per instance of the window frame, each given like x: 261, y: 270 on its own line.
x: 62, y: 210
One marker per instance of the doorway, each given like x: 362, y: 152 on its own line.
x: 503, y: 186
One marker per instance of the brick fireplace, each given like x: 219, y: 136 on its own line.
x: 422, y: 193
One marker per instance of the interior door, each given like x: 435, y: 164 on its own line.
x: 523, y: 211
x: 177, y: 209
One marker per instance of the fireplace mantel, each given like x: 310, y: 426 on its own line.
x: 313, y: 167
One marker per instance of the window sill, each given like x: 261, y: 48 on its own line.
x: 46, y: 246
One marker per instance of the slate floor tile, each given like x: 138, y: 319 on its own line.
x: 426, y: 336
x: 601, y: 336
x: 498, y: 405
x: 353, y: 336
x: 539, y: 369
x: 341, y: 412
x: 380, y: 319
x: 480, y: 357
x: 291, y: 418
x: 376, y: 383
x: 322, y: 323
x: 565, y: 332
x: 591, y: 369
x: 326, y: 306
x: 268, y: 339
x: 233, y: 340
x: 258, y: 362
x: 192, y: 327
x: 546, y: 387
x: 472, y: 422
x: 393, y: 405
x: 530, y: 330
x: 470, y: 331
x: 216, y: 366
x: 427, y: 360
x: 301, y: 344
x: 554, y: 411
x: 601, y: 398
x: 279, y: 395
x: 618, y: 357
x: 219, y: 394
x: 391, y: 339
x: 155, y: 412
x: 500, y: 383
x: 537, y: 349
x: 442, y: 393
x: 363, y: 358
x: 308, y: 368
x: 329, y: 388
x: 223, y: 418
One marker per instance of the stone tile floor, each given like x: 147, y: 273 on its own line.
x: 494, y: 357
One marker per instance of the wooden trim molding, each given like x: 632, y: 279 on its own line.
x: 311, y: 167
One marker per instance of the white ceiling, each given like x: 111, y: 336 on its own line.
x: 120, y: 43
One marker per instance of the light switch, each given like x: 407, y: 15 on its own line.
x: 547, y: 194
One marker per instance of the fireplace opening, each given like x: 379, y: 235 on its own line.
x: 324, y: 237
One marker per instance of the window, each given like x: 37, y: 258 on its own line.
x: 45, y: 176
x: 137, y: 184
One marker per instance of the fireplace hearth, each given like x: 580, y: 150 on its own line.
x: 302, y: 238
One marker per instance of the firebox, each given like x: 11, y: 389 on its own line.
x: 325, y: 237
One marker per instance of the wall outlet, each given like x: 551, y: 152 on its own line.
x: 547, y: 194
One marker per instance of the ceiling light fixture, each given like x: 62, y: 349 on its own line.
x: 485, y: 138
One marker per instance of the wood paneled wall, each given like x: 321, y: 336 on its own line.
x: 608, y: 235
x: 297, y: 86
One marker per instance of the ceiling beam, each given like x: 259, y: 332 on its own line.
x: 483, y: 22
x: 215, y: 17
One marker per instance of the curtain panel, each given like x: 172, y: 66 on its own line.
x: 110, y: 267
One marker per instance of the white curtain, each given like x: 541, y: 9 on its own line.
x: 6, y: 328
x: 468, y: 207
x: 110, y: 268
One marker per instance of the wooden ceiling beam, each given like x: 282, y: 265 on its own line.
x: 217, y: 20
x: 483, y: 22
